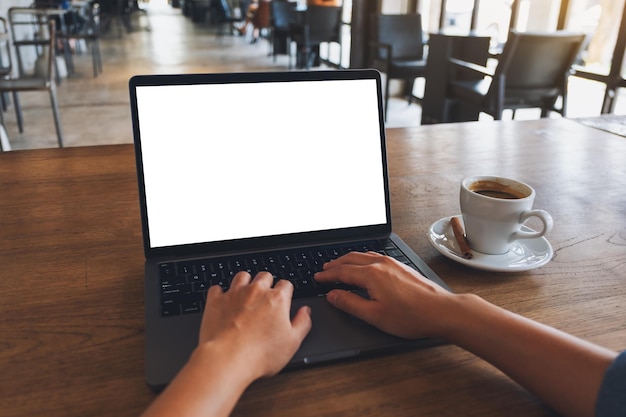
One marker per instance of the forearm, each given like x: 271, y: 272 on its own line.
x: 564, y: 371
x: 209, y: 385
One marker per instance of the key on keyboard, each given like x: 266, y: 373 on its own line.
x: 184, y: 284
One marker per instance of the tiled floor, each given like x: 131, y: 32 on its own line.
x: 96, y: 110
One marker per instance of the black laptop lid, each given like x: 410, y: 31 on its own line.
x: 239, y: 161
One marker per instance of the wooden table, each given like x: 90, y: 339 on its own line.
x: 71, y: 307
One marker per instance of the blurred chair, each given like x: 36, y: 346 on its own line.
x: 5, y: 71
x: 5, y: 58
x: 43, y: 48
x: 532, y: 72
x: 316, y: 25
x: 397, y: 49
x: 5, y: 49
x: 28, y: 25
x: 261, y: 21
x: 53, y: 9
x: 226, y: 18
x: 441, y: 47
x: 281, y: 18
x: 138, y: 16
x: 86, y: 27
x: 115, y: 12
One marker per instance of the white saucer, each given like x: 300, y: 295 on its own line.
x: 524, y: 254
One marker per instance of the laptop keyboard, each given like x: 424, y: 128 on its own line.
x: 184, y: 284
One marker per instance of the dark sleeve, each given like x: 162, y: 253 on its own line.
x: 612, y: 396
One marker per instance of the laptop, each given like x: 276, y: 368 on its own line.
x: 277, y: 171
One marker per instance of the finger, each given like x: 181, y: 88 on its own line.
x: 263, y: 278
x: 302, y: 323
x: 347, y: 274
x: 240, y: 279
x: 212, y: 295
x: 285, y: 286
x: 214, y: 291
x: 354, y: 258
x: 351, y: 303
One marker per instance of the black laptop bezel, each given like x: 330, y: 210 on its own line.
x: 287, y: 240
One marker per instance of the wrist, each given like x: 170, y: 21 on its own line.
x: 228, y: 360
x: 209, y: 384
x: 463, y: 312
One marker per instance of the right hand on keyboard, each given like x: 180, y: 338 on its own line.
x: 400, y: 299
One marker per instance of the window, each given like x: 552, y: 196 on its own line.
x: 600, y: 20
x: 494, y: 17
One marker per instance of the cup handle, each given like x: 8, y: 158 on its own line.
x: 542, y: 215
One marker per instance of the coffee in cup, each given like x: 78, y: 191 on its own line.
x: 494, y: 210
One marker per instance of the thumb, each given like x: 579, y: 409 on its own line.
x: 350, y: 303
x: 302, y: 323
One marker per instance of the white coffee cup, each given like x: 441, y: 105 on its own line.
x: 494, y: 210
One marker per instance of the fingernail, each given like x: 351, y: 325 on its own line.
x: 331, y: 297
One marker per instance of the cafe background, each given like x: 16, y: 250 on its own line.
x: 598, y: 80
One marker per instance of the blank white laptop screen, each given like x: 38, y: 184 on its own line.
x: 232, y: 161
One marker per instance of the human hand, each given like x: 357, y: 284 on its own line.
x: 252, y: 319
x: 402, y: 302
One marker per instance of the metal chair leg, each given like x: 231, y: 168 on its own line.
x: 18, y: 113
x: 1, y: 119
x: 99, y: 56
x: 95, y: 57
x: 57, y: 118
